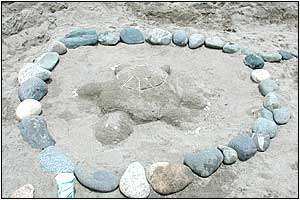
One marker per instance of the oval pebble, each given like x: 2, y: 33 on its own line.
x: 132, y: 36
x: 133, y: 183
x: 271, y: 101
x: 267, y: 86
x: 159, y: 36
x: 58, y: 47
x: 166, y: 178
x: 265, y: 113
x: 108, y: 38
x: 262, y: 141
x: 204, y: 163
x: 30, y: 70
x: 28, y: 107
x: 180, y: 38
x: 32, y: 88
x: 47, y: 60
x: 254, y: 61
x: 286, y: 55
x: 265, y: 126
x: 229, y: 154
x: 259, y: 75
x: 282, y: 115
x: 196, y: 40
x: 214, y: 42
x: 231, y: 47
x: 271, y: 57
x: 244, y: 146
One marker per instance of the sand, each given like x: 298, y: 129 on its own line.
x: 234, y: 98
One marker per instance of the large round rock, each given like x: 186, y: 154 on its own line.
x: 282, y: 115
x: 267, y: 86
x: 34, y: 131
x: 159, y: 36
x: 265, y: 113
x: 32, y: 88
x: 47, y: 60
x: 254, y: 61
x: 204, y: 163
x: 28, y: 107
x: 271, y: 101
x: 265, y: 126
x: 166, y: 178
x: 196, y: 40
x: 244, y: 146
x: 180, y: 38
x: 30, y: 70
x: 271, y: 57
x: 229, y: 154
x: 132, y: 36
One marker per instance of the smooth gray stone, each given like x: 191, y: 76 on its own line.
x: 262, y: 141
x: 286, y: 55
x: 81, y: 32
x: 254, y: 61
x: 268, y: 85
x: 244, y: 146
x: 214, y: 42
x: 282, y: 115
x: 204, y: 163
x: 108, y: 38
x: 271, y: 57
x: 32, y: 88
x: 229, y: 154
x: 132, y: 36
x: 74, y: 42
x: 47, y: 60
x: 231, y: 47
x: 34, y: 131
x: 265, y: 126
x: 102, y: 181
x: 53, y: 160
x: 159, y: 36
x: 58, y: 47
x: 246, y: 51
x: 180, y: 38
x: 196, y: 40
x: 271, y: 101
x: 265, y: 113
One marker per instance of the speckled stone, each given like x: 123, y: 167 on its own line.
x: 80, y: 37
x: 47, y: 60
x: 196, y: 40
x: 271, y: 101
x: 244, y: 146
x: 262, y: 141
x: 229, y: 154
x: 32, y: 88
x: 265, y: 126
x: 108, y: 38
x: 265, y: 113
x: 159, y: 36
x: 180, y: 38
x: 254, y: 61
x: 132, y: 36
x: 259, y: 75
x: 282, y: 115
x: 267, y: 86
x: 58, y: 47
x: 28, y: 107
x: 30, y: 70
x: 231, y: 47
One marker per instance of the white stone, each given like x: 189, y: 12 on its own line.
x: 26, y: 191
x: 47, y: 60
x: 159, y: 36
x: 33, y: 70
x: 133, y: 183
x: 28, y: 107
x: 58, y: 47
x: 259, y: 75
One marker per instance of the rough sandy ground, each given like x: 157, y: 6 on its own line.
x: 234, y: 101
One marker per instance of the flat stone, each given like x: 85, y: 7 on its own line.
x: 180, y: 38
x: 132, y: 36
x: 262, y: 141
x: 26, y: 191
x: 231, y: 47
x: 159, y: 36
x: 268, y: 85
x: 265, y: 113
x: 244, y: 146
x: 271, y: 57
x: 101, y: 180
x: 259, y: 75
x: 34, y: 131
x: 282, y: 115
x: 254, y: 61
x: 28, y: 107
x: 53, y: 160
x: 229, y: 154
x: 265, y: 126
x: 166, y: 178
x: 81, y: 32
x: 47, y: 60
x: 286, y: 55
x: 30, y: 70
x: 196, y: 40
x: 108, y: 38
x: 204, y: 163
x: 133, y: 183
x: 32, y: 88
x: 271, y: 101
x: 83, y: 40
x: 214, y: 42
x: 58, y: 47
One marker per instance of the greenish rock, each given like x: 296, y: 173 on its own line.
x: 271, y: 101
x: 262, y: 141
x: 180, y: 38
x: 271, y: 57
x: 286, y: 55
x: 214, y: 42
x: 282, y: 115
x: 132, y: 36
x: 265, y: 126
x: 231, y: 47
x: 47, y: 60
x: 81, y: 32
x: 83, y: 40
x: 268, y: 85
x: 204, y: 163
x: 244, y: 146
x: 32, y: 88
x: 196, y: 40
x: 254, y: 61
x: 108, y: 38
x: 246, y: 51
x: 265, y: 113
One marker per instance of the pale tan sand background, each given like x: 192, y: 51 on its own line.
x: 27, y: 29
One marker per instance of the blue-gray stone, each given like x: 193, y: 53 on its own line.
x: 271, y: 101
x: 180, y: 38
x: 268, y: 85
x: 265, y: 113
x: 295, y: 54
x: 47, y: 60
x: 282, y: 115
x: 254, y: 61
x: 196, y: 40
x: 214, y: 42
x: 34, y: 131
x: 246, y: 51
x: 204, y: 163
x: 101, y: 181
x: 244, y: 146
x: 83, y: 40
x: 286, y: 55
x: 262, y: 141
x: 271, y: 57
x: 132, y: 36
x: 231, y: 47
x: 81, y: 32
x: 108, y: 38
x: 53, y: 160
x: 32, y: 88
x: 265, y: 126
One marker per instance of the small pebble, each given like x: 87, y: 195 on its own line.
x: 214, y: 42
x: 271, y: 101
x: 159, y: 36
x: 265, y: 113
x: 133, y: 183
x: 231, y: 47
x: 282, y: 115
x: 47, y: 60
x: 271, y: 57
x: 286, y: 55
x: 265, y: 126
x: 108, y: 38
x: 262, y: 141
x: 28, y: 107
x: 229, y: 154
x: 196, y: 40
x: 180, y: 38
x: 259, y: 75
x: 244, y: 146
x: 268, y: 85
x: 26, y: 191
x: 30, y: 70
x: 132, y: 36
x: 32, y: 88
x: 254, y: 61
x: 246, y: 51
x: 58, y: 47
